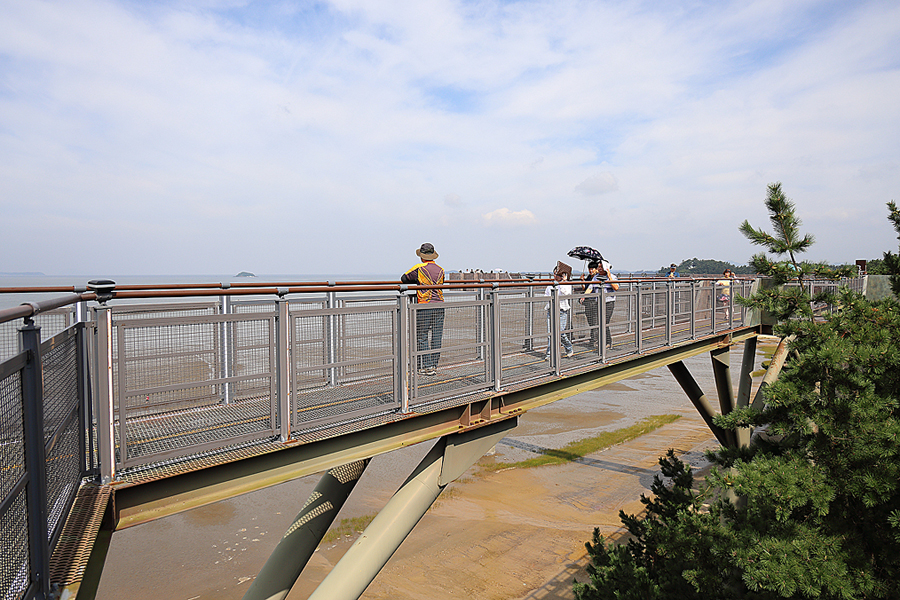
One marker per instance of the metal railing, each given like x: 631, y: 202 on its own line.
x: 125, y: 387
x: 45, y: 452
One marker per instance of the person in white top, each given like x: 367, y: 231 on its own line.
x: 565, y: 308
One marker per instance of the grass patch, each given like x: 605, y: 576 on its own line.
x: 580, y: 448
x: 347, y: 527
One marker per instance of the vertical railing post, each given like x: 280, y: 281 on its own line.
x: 670, y: 310
x: 731, y: 304
x: 479, y: 324
x: 81, y: 312
x: 695, y: 296
x: 85, y: 416
x: 331, y: 338
x: 226, y: 350
x: 496, y: 341
x: 629, y: 310
x: 282, y: 368
x: 529, y: 318
x: 85, y: 410
x: 103, y: 388
x: 640, y: 320
x: 554, y: 329
x: 402, y: 348
x: 35, y: 458
x: 601, y: 318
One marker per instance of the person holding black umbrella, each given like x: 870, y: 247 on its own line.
x: 600, y: 274
x: 590, y: 303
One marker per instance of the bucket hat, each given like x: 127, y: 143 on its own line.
x: 426, y: 252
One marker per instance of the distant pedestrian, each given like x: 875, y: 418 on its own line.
x: 609, y: 286
x: 673, y: 272
x: 724, y: 287
x: 561, y: 273
x: 429, y: 321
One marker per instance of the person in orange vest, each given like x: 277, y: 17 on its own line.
x: 429, y: 321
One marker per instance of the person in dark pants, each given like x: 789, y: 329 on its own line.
x: 590, y: 303
x: 429, y: 321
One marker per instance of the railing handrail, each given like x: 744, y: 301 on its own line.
x: 28, y: 309
x: 281, y: 289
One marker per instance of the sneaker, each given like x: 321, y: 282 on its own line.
x: 546, y: 357
x: 430, y: 371
x: 570, y: 354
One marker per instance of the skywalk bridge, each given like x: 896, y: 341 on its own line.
x: 123, y: 405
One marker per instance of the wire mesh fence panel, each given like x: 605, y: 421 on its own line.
x: 62, y: 440
x: 163, y: 310
x: 523, y: 338
x: 12, y: 428
x: 623, y: 316
x: 252, y: 373
x: 15, y: 565
x: 343, y: 361
x: 50, y: 322
x: 172, y: 385
x: 366, y: 332
x: 655, y: 318
x: 449, y: 349
x: 704, y: 308
x: 63, y: 477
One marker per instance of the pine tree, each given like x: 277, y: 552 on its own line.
x: 891, y: 260
x: 819, y: 515
x: 786, y: 242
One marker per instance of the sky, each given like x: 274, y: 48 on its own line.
x: 176, y: 137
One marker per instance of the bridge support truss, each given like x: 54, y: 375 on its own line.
x: 450, y: 457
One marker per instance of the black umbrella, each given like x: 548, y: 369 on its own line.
x: 585, y: 253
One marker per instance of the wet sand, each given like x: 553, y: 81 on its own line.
x: 511, y: 534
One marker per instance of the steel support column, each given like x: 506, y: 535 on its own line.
x: 721, y: 363
x: 447, y: 460
x: 745, y: 383
x: 290, y: 556
x: 775, y: 365
x: 698, y: 399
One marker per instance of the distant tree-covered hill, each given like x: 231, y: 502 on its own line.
x: 707, y: 266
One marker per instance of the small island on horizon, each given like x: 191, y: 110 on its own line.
x: 245, y: 274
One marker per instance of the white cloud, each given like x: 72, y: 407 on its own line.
x: 598, y: 184
x: 504, y: 217
x: 302, y: 125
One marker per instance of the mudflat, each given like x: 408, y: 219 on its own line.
x: 499, y: 534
